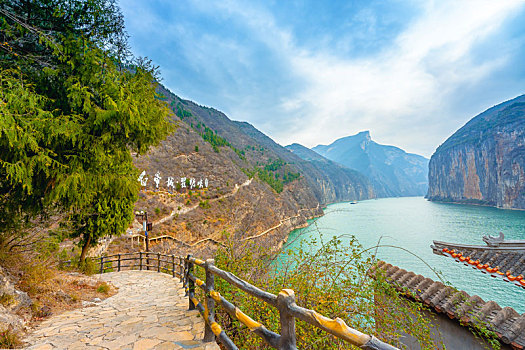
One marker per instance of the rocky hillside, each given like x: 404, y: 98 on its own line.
x: 225, y: 180
x: 484, y: 161
x: 328, y: 182
x: 392, y: 171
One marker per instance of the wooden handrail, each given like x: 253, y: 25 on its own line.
x: 284, y: 302
x: 171, y: 238
x: 164, y: 263
x: 289, y: 311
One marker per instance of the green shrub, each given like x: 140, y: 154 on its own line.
x: 62, y: 256
x: 103, y: 288
x: 204, y: 204
x: 88, y: 267
x: 333, y: 280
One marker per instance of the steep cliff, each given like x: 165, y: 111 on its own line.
x: 484, y: 161
x: 392, y: 171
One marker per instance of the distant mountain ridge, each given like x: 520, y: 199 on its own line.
x: 258, y: 148
x: 329, y: 182
x: 392, y: 171
x: 344, y: 184
x: 484, y: 161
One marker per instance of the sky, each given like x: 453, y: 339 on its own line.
x: 411, y: 72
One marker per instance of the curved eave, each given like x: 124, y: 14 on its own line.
x: 499, y: 262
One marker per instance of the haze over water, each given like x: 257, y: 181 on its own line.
x: 413, y: 223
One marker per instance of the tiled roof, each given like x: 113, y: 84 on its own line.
x: 505, y: 322
x: 499, y: 258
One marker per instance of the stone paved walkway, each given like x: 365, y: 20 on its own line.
x: 148, y: 312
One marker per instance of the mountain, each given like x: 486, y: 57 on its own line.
x: 392, y: 171
x: 329, y: 183
x: 347, y: 184
x: 484, y: 161
x: 254, y: 184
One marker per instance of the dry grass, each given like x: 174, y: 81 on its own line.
x: 66, y: 291
x: 52, y: 291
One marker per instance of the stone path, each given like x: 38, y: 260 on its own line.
x: 148, y: 312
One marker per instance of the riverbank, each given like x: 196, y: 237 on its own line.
x: 467, y: 202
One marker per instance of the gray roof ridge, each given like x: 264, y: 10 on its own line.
x: 470, y: 311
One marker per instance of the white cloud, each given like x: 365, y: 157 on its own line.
x: 400, y: 94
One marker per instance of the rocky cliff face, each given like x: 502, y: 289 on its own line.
x: 392, y: 171
x: 484, y: 161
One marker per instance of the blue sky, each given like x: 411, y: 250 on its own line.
x: 411, y: 72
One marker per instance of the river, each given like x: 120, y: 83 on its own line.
x: 413, y: 223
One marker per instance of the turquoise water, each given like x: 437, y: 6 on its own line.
x: 413, y: 223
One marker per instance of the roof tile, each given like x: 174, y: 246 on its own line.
x: 506, y: 322
x: 509, y: 257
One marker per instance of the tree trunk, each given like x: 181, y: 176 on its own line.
x: 82, y: 259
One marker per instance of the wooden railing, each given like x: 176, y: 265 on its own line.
x: 289, y: 311
x: 169, y: 264
x: 161, y: 238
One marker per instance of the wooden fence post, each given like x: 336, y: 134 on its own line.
x: 210, y: 303
x: 185, y: 277
x: 158, y: 262
x: 118, y: 268
x: 101, y: 265
x: 191, y: 284
x: 287, y: 341
x: 172, y: 265
x: 182, y: 267
x: 140, y: 264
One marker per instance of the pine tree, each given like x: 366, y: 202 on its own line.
x: 72, y: 110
